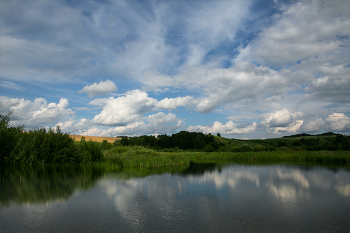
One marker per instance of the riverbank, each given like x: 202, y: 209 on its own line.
x: 144, y: 157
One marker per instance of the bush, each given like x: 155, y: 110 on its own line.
x: 90, y: 151
x: 105, y: 145
x: 270, y: 148
x: 39, y: 146
x: 208, y: 148
x: 297, y: 143
x: 243, y: 148
x: 259, y: 148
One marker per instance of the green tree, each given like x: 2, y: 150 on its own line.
x: 124, y: 141
x: 8, y: 137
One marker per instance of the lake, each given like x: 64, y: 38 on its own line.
x: 191, y: 198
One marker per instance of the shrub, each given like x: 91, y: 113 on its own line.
x: 242, y: 148
x: 259, y: 148
x: 270, y: 148
x: 245, y: 148
x: 208, y: 148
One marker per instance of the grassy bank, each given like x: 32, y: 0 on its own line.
x: 144, y: 157
x: 320, y: 157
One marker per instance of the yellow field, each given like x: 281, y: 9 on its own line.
x: 93, y: 138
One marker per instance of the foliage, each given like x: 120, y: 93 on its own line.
x: 42, y: 146
x: 124, y: 141
x: 90, y: 151
x: 259, y: 148
x: 137, y: 156
x: 39, y: 146
x: 243, y: 148
x: 208, y: 148
x: 8, y: 137
x: 105, y: 145
x: 183, y: 140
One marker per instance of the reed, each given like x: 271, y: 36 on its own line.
x: 320, y: 157
x: 137, y: 156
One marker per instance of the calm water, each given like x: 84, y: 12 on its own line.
x: 195, y: 198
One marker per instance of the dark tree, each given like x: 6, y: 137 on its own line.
x: 124, y: 141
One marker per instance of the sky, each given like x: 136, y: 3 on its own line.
x: 245, y: 69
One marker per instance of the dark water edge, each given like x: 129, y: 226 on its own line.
x: 205, y: 197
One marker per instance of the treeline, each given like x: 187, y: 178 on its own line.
x: 306, y: 134
x: 183, y: 140
x: 341, y: 142
x: 43, y: 146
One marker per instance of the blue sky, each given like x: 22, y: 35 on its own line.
x: 244, y: 69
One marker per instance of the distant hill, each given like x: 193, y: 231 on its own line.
x: 305, y: 135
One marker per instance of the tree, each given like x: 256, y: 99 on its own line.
x: 218, y: 134
x: 8, y: 137
x: 124, y: 141
x: 199, y: 142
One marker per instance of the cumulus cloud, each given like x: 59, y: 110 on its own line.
x: 38, y: 113
x: 101, y: 88
x: 230, y: 128
x: 123, y: 110
x: 335, y: 122
x: 158, y: 123
x: 283, y: 121
x: 313, y: 126
x: 338, y: 122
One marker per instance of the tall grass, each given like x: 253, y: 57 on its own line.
x: 321, y: 157
x: 137, y: 156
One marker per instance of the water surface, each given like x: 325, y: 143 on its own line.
x: 195, y: 198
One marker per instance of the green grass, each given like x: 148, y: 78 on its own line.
x: 137, y: 156
x: 146, y: 158
x: 319, y: 157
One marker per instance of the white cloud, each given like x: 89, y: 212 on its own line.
x: 38, y: 113
x: 229, y: 128
x: 338, y: 122
x: 158, y: 123
x: 333, y: 85
x: 10, y: 85
x: 124, y: 109
x: 304, y: 29
x: 101, y: 88
x: 312, y: 126
x: 155, y: 80
x: 283, y: 121
x: 242, y: 84
x: 173, y: 103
